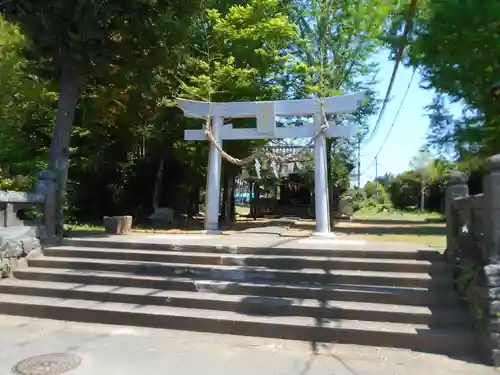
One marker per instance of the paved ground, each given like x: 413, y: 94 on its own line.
x: 109, y: 350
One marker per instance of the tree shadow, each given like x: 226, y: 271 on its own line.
x: 87, y: 233
x: 384, y: 227
x: 243, y: 226
x: 283, y: 295
x: 197, y: 223
x: 397, y: 229
x: 394, y: 222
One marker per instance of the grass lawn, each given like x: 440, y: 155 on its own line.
x: 425, y: 228
x: 410, y: 227
x: 397, y: 215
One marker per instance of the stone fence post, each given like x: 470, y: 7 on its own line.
x: 47, y: 185
x: 457, y: 188
x: 491, y: 188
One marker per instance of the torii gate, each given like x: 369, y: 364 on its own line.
x: 265, y: 113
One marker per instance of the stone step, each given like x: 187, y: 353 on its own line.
x: 266, y: 288
x: 246, y: 304
x: 373, y: 250
x: 272, y: 261
x: 220, y: 272
x: 411, y: 336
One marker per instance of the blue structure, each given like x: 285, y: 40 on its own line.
x: 242, y: 196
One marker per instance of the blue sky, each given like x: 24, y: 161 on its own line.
x: 409, y: 131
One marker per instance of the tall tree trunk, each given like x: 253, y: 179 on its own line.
x: 252, y: 199
x: 330, y: 144
x: 233, y: 202
x: 197, y: 201
x: 422, y: 197
x: 158, y: 180
x: 229, y: 211
x: 228, y: 194
x: 194, y: 201
x: 222, y: 202
x: 329, y: 174
x: 69, y: 93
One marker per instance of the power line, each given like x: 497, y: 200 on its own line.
x: 393, y: 122
x: 399, y: 56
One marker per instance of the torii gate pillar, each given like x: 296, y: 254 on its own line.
x: 212, y: 196
x: 265, y: 112
x: 321, y: 201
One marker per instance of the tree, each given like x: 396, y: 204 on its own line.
x: 25, y: 108
x: 456, y: 46
x: 404, y: 190
x: 83, y: 41
x: 238, y: 54
x: 341, y: 37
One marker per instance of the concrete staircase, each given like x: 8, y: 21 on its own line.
x: 399, y: 299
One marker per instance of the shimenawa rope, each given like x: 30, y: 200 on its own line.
x: 207, y: 129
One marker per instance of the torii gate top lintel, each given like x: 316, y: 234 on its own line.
x: 293, y: 107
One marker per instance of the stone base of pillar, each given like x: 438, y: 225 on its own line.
x: 212, y: 231
x: 323, y: 235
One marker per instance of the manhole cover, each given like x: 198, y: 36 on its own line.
x: 47, y: 364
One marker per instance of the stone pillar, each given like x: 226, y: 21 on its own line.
x: 491, y: 188
x: 47, y: 185
x: 321, y: 182
x: 212, y: 201
x: 457, y: 188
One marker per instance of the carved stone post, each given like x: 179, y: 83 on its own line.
x: 492, y: 270
x: 492, y: 202
x: 47, y: 185
x: 457, y: 188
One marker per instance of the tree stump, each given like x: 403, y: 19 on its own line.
x: 117, y: 224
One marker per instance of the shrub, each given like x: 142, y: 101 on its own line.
x: 18, y: 183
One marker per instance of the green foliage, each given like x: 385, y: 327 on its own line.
x: 239, y: 56
x: 372, y: 197
x: 91, y: 36
x: 25, y: 108
x: 17, y: 183
x: 403, y: 191
x: 85, y: 42
x: 468, y: 283
x: 337, y: 58
x: 456, y: 45
x: 459, y: 48
x: 376, y: 191
x: 127, y: 62
x: 340, y: 37
x: 354, y: 197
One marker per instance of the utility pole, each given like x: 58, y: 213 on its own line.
x: 422, y: 196
x: 359, y: 163
x: 376, y: 174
